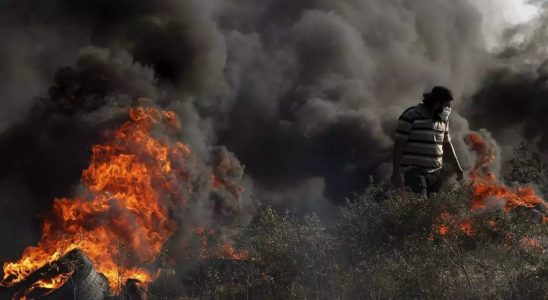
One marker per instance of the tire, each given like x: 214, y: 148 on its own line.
x: 89, y: 284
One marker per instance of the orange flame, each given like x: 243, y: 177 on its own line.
x: 466, y: 226
x: 484, y: 183
x: 120, y: 222
x: 445, y: 220
x: 442, y: 222
x: 227, y: 251
x: 443, y: 230
x: 531, y: 245
x: 485, y: 186
x: 223, y: 249
x: 47, y: 284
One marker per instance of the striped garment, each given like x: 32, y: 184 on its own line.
x: 423, y: 139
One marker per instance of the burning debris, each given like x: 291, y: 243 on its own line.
x: 121, y: 204
x: 119, y: 223
x: 71, y: 277
x: 485, y: 186
x: 488, y: 193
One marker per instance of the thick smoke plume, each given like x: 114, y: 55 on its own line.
x: 303, y: 94
x: 512, y: 98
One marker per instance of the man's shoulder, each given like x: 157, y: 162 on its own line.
x: 411, y: 113
x: 409, y: 109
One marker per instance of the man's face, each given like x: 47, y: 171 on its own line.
x: 440, y: 105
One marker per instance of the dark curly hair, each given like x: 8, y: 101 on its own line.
x: 438, y: 94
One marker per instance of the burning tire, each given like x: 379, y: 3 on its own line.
x: 80, y: 280
x: 84, y: 284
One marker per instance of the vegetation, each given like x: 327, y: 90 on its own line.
x: 384, y: 244
x: 527, y: 167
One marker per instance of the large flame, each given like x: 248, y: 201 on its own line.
x: 485, y: 185
x: 485, y: 188
x: 121, y: 219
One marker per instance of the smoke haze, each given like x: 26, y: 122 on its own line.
x: 302, y: 95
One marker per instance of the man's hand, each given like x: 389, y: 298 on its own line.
x: 397, y: 180
x: 460, y: 174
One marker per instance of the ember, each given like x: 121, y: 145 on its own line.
x: 227, y: 251
x: 211, y: 248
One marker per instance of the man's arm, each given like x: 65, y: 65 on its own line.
x: 451, y: 156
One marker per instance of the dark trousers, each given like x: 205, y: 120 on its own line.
x: 422, y: 182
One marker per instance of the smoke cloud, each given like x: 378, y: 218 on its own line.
x: 511, y: 100
x: 295, y: 100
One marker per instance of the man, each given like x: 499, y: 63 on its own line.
x: 423, y: 142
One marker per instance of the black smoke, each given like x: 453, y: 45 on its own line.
x: 301, y: 94
x: 513, y: 99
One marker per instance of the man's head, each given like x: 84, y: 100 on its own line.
x: 439, y: 98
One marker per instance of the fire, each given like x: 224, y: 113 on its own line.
x: 223, y: 248
x: 466, y: 226
x: 445, y: 220
x: 441, y: 223
x: 227, y: 251
x: 485, y: 186
x: 48, y: 284
x: 203, y: 234
x: 484, y: 183
x: 121, y: 221
x: 443, y: 230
